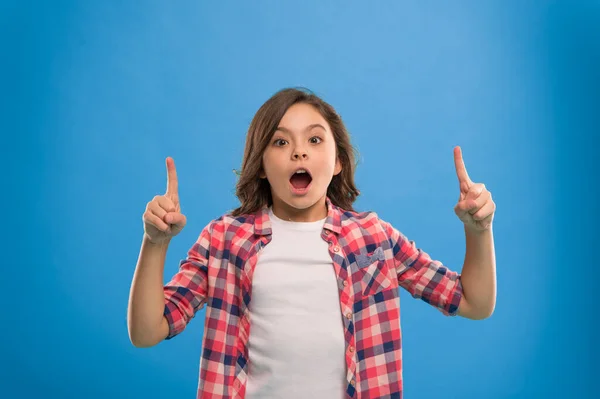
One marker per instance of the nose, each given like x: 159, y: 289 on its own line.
x: 300, y: 153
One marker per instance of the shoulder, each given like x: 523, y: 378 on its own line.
x: 231, y: 224
x: 224, y: 231
x: 367, y: 222
x: 369, y: 228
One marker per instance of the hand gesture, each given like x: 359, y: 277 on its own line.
x: 163, y: 218
x: 475, y: 206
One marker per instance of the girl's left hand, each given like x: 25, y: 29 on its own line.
x: 475, y: 206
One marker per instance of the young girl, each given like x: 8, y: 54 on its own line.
x: 302, y: 290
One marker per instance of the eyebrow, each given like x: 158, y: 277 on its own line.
x: 308, y: 128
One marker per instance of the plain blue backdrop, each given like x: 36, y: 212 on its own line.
x: 95, y: 95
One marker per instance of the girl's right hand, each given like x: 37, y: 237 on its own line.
x: 163, y: 218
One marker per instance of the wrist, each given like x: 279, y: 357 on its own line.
x: 473, y: 231
x: 155, y: 244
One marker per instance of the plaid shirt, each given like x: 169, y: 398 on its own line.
x: 371, y: 260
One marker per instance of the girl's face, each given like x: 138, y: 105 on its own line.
x: 303, y: 140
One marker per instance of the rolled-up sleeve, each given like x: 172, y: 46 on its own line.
x: 186, y: 292
x: 424, y: 278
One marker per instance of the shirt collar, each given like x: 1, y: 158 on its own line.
x: 262, y: 223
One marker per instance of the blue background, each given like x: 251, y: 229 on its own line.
x: 95, y: 95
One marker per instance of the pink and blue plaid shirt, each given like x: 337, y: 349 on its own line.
x: 371, y: 260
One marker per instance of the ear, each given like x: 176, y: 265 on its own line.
x: 338, y: 167
x: 262, y: 174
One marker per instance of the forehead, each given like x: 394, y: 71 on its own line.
x: 300, y: 116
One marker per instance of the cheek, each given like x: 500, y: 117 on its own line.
x: 267, y: 162
x: 270, y: 169
x: 267, y: 170
x: 331, y: 159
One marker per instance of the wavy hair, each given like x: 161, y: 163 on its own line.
x: 254, y: 192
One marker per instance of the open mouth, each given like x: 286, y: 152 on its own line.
x: 301, y: 179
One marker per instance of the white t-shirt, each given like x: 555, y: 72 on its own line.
x: 296, y: 343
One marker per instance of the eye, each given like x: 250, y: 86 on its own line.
x: 278, y: 142
x: 315, y: 140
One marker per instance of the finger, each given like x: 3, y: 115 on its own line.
x: 476, y: 191
x: 157, y: 222
x: 464, y: 207
x: 485, y: 211
x: 165, y: 203
x: 155, y: 208
x: 480, y: 201
x: 461, y: 170
x: 172, y: 182
x: 175, y: 218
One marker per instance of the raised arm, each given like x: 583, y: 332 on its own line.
x: 475, y: 208
x: 162, y: 220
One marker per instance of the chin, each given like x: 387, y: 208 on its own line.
x: 301, y: 202
x: 305, y: 203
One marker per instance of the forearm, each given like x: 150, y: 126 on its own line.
x: 478, y: 275
x: 145, y: 319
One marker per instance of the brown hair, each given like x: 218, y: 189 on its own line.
x: 254, y: 192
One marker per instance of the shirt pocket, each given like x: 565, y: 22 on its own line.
x: 373, y: 272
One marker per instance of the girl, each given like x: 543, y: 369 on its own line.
x: 301, y: 290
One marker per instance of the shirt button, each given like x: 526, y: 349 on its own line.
x: 348, y: 315
x: 351, y: 349
x: 336, y: 249
x: 345, y: 283
x: 352, y: 382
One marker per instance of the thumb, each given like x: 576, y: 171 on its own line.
x: 464, y: 189
x: 175, y: 218
x: 474, y: 191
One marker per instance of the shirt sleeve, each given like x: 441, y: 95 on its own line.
x: 424, y: 278
x: 186, y: 292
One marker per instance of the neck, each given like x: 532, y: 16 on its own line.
x: 317, y: 211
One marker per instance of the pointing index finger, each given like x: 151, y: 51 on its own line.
x: 172, y: 183
x: 461, y: 170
